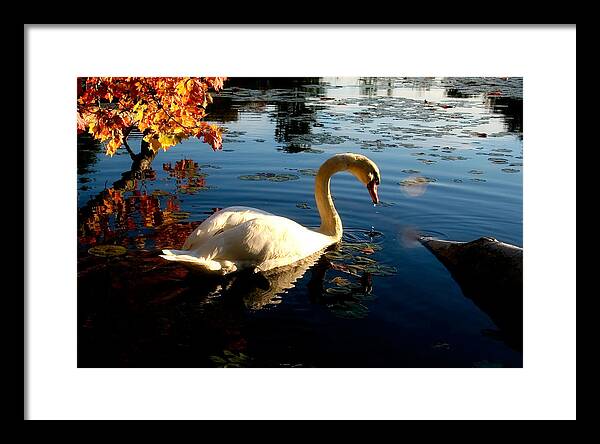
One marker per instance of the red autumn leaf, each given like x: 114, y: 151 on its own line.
x: 166, y: 109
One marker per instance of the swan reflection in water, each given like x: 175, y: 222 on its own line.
x: 343, y: 296
x: 257, y: 290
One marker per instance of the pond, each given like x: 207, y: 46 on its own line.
x: 450, y: 152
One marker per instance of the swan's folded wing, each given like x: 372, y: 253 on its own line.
x: 222, y: 221
x: 265, y: 242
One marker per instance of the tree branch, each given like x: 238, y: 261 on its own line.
x: 127, y: 147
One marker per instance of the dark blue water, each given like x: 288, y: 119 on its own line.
x: 395, y: 305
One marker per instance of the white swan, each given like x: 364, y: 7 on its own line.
x: 236, y: 238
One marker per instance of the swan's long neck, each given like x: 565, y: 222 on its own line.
x: 331, y: 224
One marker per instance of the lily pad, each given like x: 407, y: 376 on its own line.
x: 340, y: 282
x: 307, y: 171
x: 382, y: 270
x: 487, y: 364
x: 412, y: 181
x: 349, y: 310
x: 180, y: 215
x: 271, y: 177
x: 454, y: 158
x: 441, y: 345
x: 338, y: 290
x: 251, y: 177
x: 107, y: 250
x: 415, y: 186
x: 230, y: 359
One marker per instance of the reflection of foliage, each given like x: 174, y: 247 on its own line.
x: 166, y: 109
x: 114, y: 212
x: 187, y: 177
x: 123, y: 211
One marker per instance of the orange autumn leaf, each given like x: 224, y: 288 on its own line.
x: 166, y: 109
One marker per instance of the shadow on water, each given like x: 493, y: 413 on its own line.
x: 140, y: 310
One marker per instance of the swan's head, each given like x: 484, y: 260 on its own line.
x: 365, y: 170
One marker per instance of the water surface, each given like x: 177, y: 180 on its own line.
x: 450, y: 153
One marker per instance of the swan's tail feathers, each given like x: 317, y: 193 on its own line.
x: 176, y: 252
x: 198, y: 262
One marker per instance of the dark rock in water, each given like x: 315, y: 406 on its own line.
x: 490, y: 273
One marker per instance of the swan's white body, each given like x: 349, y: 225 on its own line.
x: 241, y: 237
x: 237, y: 238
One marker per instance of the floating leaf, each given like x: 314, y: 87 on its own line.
x: 487, y: 364
x: 336, y: 290
x: 381, y: 270
x: 441, y: 345
x: 180, y: 215
x: 251, y: 177
x: 308, y: 171
x: 231, y: 359
x: 415, y: 186
x: 340, y: 282
x: 272, y: 177
x: 107, y: 250
x: 349, y: 310
x: 454, y: 158
x: 412, y: 181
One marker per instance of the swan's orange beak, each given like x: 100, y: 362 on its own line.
x: 372, y: 187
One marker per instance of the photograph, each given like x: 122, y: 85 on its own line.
x: 299, y: 222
